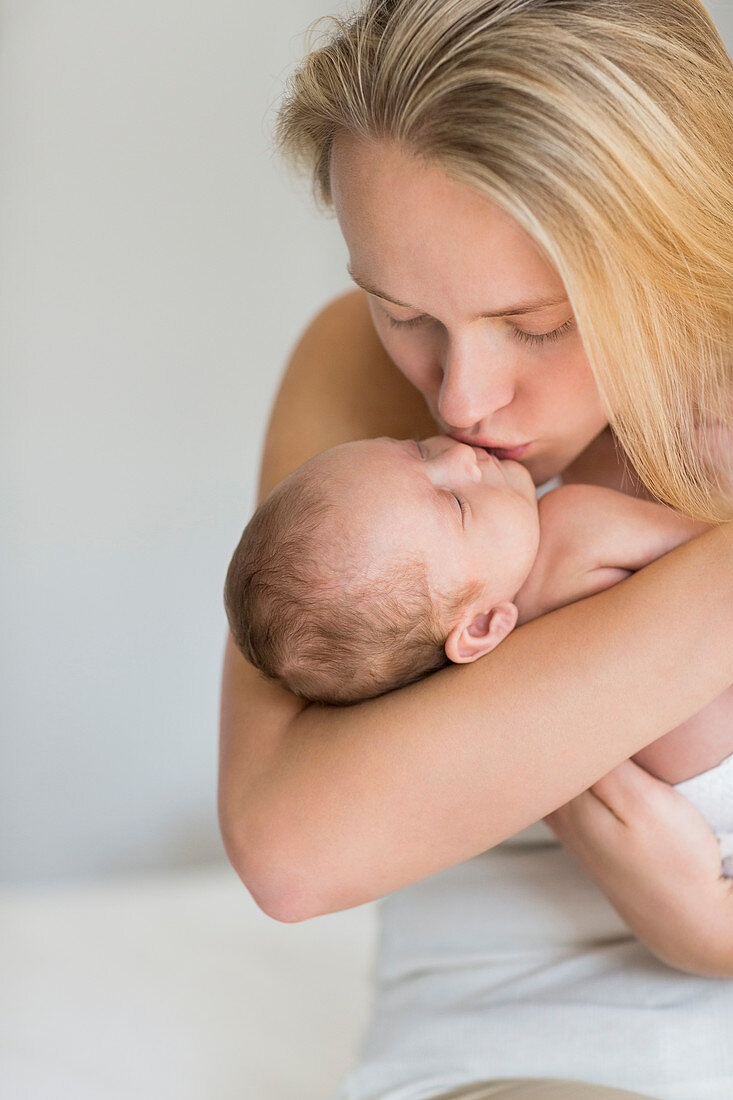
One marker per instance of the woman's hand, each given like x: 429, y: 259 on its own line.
x: 658, y: 862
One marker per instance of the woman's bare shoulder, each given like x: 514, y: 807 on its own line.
x: 339, y: 384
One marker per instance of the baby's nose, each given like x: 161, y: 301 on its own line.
x: 462, y: 460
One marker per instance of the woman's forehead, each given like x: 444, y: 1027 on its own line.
x: 428, y: 241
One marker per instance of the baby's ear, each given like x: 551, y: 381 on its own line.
x: 477, y: 634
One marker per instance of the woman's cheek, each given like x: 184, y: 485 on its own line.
x: 570, y: 358
x: 411, y: 354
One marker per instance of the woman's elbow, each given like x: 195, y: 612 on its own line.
x: 279, y: 892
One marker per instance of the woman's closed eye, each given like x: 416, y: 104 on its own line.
x: 518, y: 333
x: 411, y: 323
x: 543, y: 337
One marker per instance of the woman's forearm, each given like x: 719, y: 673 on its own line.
x: 702, y: 944
x: 344, y: 805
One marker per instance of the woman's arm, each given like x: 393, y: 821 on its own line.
x: 323, y: 808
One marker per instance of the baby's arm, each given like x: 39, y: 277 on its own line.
x: 592, y: 537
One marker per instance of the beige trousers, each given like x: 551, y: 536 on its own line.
x: 532, y: 1088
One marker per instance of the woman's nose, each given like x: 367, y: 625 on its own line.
x: 477, y: 382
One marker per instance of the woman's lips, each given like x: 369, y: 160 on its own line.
x: 509, y: 452
x: 496, y: 449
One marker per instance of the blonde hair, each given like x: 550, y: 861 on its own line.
x: 604, y: 127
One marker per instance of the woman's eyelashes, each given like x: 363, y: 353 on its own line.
x: 412, y: 323
x: 543, y: 337
x: 521, y: 334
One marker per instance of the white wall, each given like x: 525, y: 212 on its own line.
x: 158, y: 265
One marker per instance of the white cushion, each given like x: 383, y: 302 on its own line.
x: 176, y: 985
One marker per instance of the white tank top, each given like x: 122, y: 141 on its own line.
x: 514, y: 964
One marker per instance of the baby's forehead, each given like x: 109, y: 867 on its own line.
x: 377, y: 504
x: 375, y: 466
x: 367, y: 483
x: 380, y: 449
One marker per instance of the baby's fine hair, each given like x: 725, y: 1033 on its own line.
x: 304, y: 615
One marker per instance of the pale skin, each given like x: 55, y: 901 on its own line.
x: 381, y: 809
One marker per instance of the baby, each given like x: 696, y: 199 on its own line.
x: 382, y: 560
x: 361, y: 572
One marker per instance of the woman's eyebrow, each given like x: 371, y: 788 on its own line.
x: 509, y: 311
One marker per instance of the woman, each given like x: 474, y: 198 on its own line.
x: 536, y: 196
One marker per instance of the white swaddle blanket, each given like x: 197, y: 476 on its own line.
x: 712, y: 794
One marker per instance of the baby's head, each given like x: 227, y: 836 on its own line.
x: 379, y: 561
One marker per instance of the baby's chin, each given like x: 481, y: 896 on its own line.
x: 541, y: 470
x: 521, y: 477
